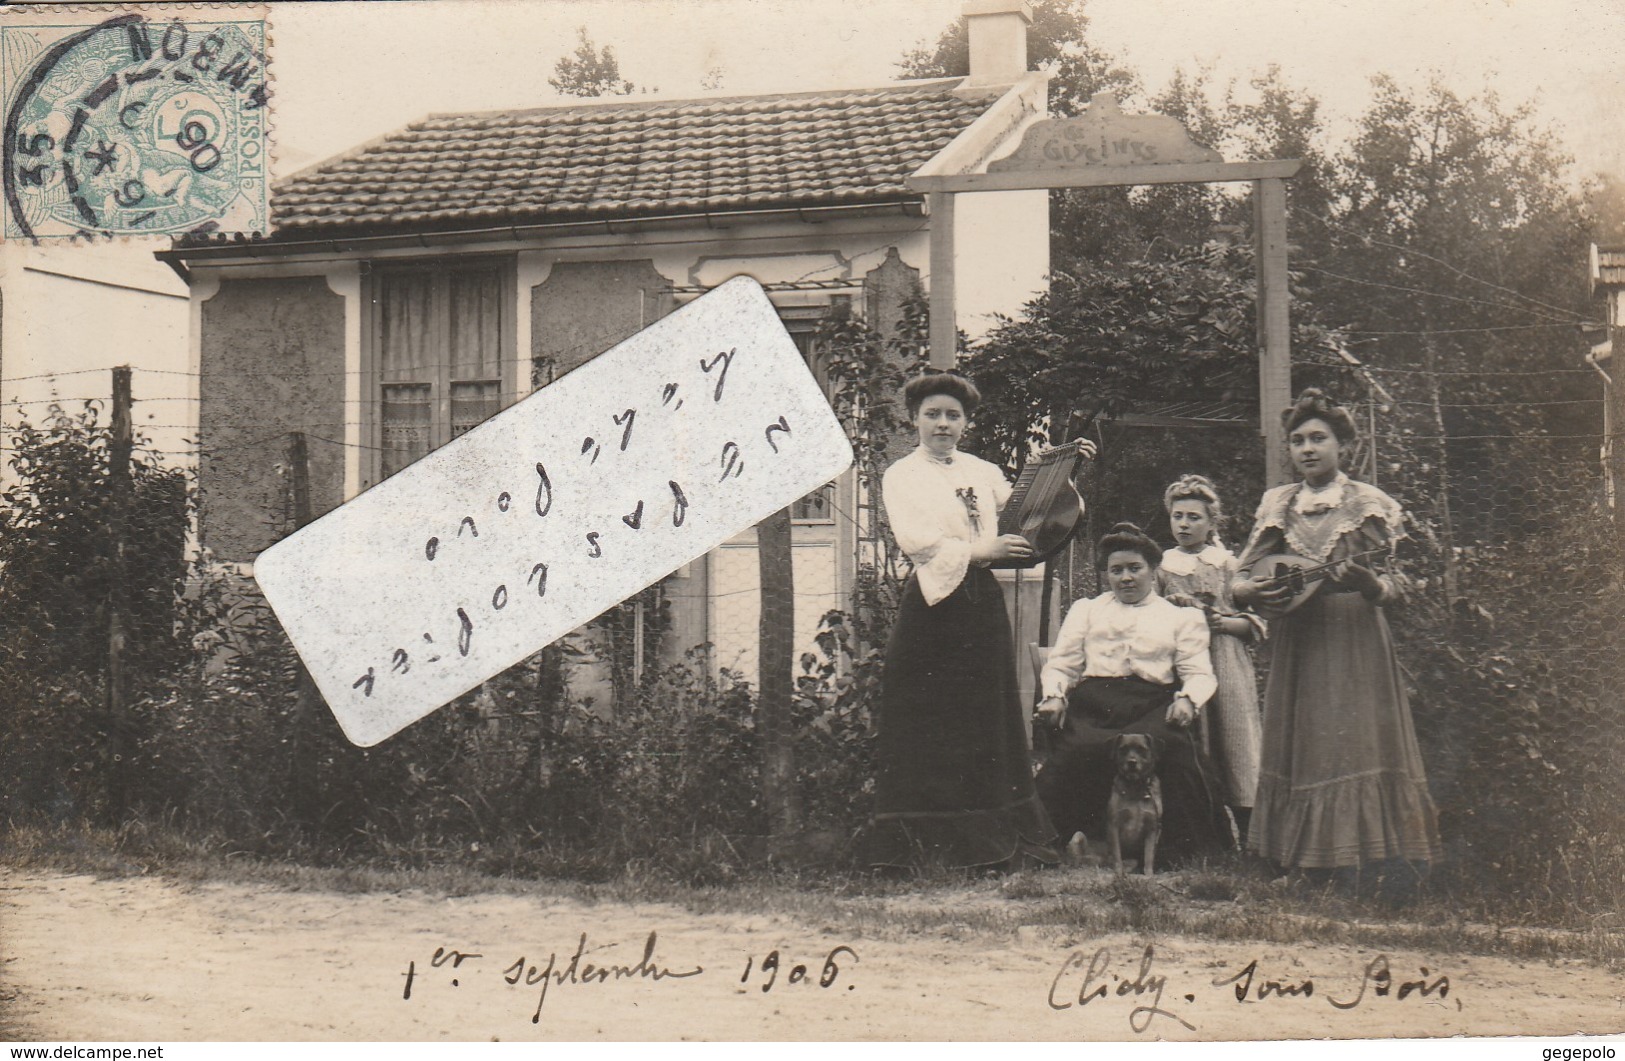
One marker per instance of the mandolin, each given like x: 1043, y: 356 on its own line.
x: 1044, y: 506
x: 1303, y: 577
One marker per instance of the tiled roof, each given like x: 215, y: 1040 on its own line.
x: 624, y: 160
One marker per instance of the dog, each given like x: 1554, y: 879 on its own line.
x: 1134, y: 812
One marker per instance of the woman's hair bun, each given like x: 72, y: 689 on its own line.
x: 1315, y: 404
x: 1127, y: 536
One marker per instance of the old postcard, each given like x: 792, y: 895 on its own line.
x: 290, y: 273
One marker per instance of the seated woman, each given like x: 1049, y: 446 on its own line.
x: 1128, y: 661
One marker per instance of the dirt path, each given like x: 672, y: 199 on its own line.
x: 146, y: 959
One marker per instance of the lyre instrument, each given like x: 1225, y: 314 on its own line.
x: 1303, y: 577
x: 1044, y: 506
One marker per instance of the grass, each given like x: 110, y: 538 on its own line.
x: 1231, y: 900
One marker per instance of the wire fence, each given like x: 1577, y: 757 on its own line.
x: 1508, y: 641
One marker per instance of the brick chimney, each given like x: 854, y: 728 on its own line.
x: 998, y: 41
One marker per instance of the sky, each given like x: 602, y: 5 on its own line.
x: 347, y: 72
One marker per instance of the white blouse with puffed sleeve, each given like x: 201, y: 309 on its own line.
x: 938, y: 510
x: 1104, y: 638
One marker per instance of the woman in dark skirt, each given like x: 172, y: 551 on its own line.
x: 954, y: 785
x: 1128, y: 661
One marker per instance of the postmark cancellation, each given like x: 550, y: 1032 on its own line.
x: 131, y: 121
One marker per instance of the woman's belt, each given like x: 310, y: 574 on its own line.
x: 1127, y: 678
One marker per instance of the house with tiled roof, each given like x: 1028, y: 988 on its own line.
x: 420, y: 283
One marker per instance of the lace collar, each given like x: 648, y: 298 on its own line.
x: 1313, y: 500
x: 1314, y: 539
x: 1178, y: 562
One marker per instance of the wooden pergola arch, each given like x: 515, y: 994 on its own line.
x: 1103, y: 147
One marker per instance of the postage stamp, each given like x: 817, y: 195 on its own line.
x: 150, y: 122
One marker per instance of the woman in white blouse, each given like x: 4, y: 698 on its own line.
x: 954, y: 783
x: 1128, y: 661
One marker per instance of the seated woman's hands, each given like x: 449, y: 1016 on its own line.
x: 1004, y: 547
x: 1181, y: 712
x: 1052, y: 711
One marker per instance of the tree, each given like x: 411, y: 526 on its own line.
x: 1455, y: 249
x: 1108, y: 339
x: 589, y: 71
x: 66, y: 551
x: 1056, y: 41
x: 1606, y: 197
x: 1091, y: 226
x: 57, y: 547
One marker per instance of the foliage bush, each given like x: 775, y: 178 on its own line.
x: 59, y: 564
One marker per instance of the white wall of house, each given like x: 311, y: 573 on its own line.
x: 70, y: 313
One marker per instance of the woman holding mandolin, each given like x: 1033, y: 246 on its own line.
x: 954, y: 783
x: 1341, y: 786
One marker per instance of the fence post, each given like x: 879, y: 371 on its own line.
x: 118, y: 474
x: 1447, y: 530
x: 1274, y: 324
x: 1614, y: 420
x: 776, y: 633
x: 307, y: 703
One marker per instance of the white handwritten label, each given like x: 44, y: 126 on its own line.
x: 539, y: 519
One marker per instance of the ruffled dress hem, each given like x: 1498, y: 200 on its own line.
x: 1348, y: 821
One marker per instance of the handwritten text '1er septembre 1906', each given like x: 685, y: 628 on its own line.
x: 773, y: 972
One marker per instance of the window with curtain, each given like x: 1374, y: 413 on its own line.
x: 803, y: 322
x: 439, y: 355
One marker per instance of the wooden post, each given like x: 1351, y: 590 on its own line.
x: 944, y: 323
x: 1613, y: 415
x: 307, y: 700
x: 1274, y: 325
x: 121, y: 489
x: 1447, y: 530
x: 776, y: 656
x: 299, y: 477
x: 1613, y: 421
x: 1371, y: 434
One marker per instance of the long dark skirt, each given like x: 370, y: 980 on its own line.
x: 954, y: 784
x: 1076, y: 780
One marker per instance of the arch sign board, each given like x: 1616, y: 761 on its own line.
x: 1104, y: 147
x: 1104, y: 136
